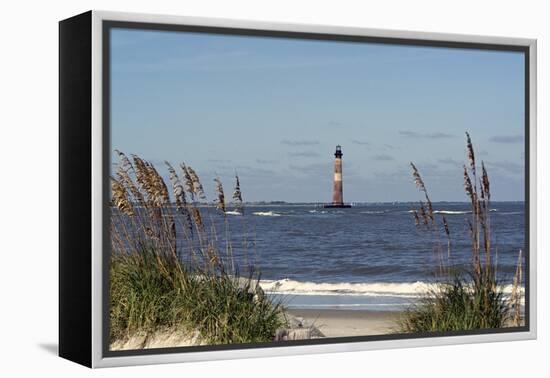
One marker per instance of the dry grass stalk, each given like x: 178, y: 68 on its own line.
x: 145, y: 219
x: 427, y: 215
x: 180, y: 198
x: 193, y: 183
x: 420, y: 185
x: 220, y: 204
x: 237, y: 195
x: 423, y: 215
x: 197, y: 185
x: 152, y: 296
x: 485, y: 211
x: 120, y: 198
x: 197, y: 219
x: 515, y: 297
x: 152, y: 287
x: 471, y: 154
x: 123, y: 173
x: 416, y: 218
x: 478, y: 298
x: 479, y: 224
x: 150, y: 182
x: 485, y: 184
x: 178, y: 192
x: 448, y: 235
x: 189, y: 185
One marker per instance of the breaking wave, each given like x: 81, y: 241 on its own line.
x: 288, y: 286
x: 267, y: 213
x: 234, y: 212
x: 455, y: 212
x: 315, y: 211
x: 451, y: 212
x: 374, y: 289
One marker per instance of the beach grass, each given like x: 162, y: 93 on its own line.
x: 457, y: 306
x: 169, y: 269
x: 472, y: 299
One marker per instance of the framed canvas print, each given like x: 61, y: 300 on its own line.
x: 234, y: 189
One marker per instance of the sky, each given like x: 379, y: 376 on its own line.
x: 272, y: 110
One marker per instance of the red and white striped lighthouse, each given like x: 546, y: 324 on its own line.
x: 338, y: 190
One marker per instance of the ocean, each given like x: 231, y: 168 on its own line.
x: 368, y: 257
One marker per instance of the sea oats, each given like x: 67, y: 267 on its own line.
x: 416, y: 218
x: 197, y: 186
x: 515, y: 297
x: 420, y: 184
x: 221, y: 196
x: 120, y: 198
x: 237, y: 195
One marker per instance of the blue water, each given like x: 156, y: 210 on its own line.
x: 369, y: 256
x: 370, y: 243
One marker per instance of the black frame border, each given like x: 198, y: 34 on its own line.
x: 108, y: 25
x: 75, y: 188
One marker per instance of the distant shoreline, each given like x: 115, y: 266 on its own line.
x: 353, y: 203
x: 360, y: 203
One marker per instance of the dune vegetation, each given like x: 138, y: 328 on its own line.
x: 471, y: 298
x: 171, y: 271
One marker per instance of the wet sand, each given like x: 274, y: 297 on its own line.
x: 341, y: 323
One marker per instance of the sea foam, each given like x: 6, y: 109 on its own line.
x: 449, y: 212
x: 288, y: 286
x: 233, y: 212
x: 373, y: 289
x: 267, y: 214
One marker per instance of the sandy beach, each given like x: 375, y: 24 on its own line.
x: 341, y: 323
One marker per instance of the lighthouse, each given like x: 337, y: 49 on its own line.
x: 337, y: 189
